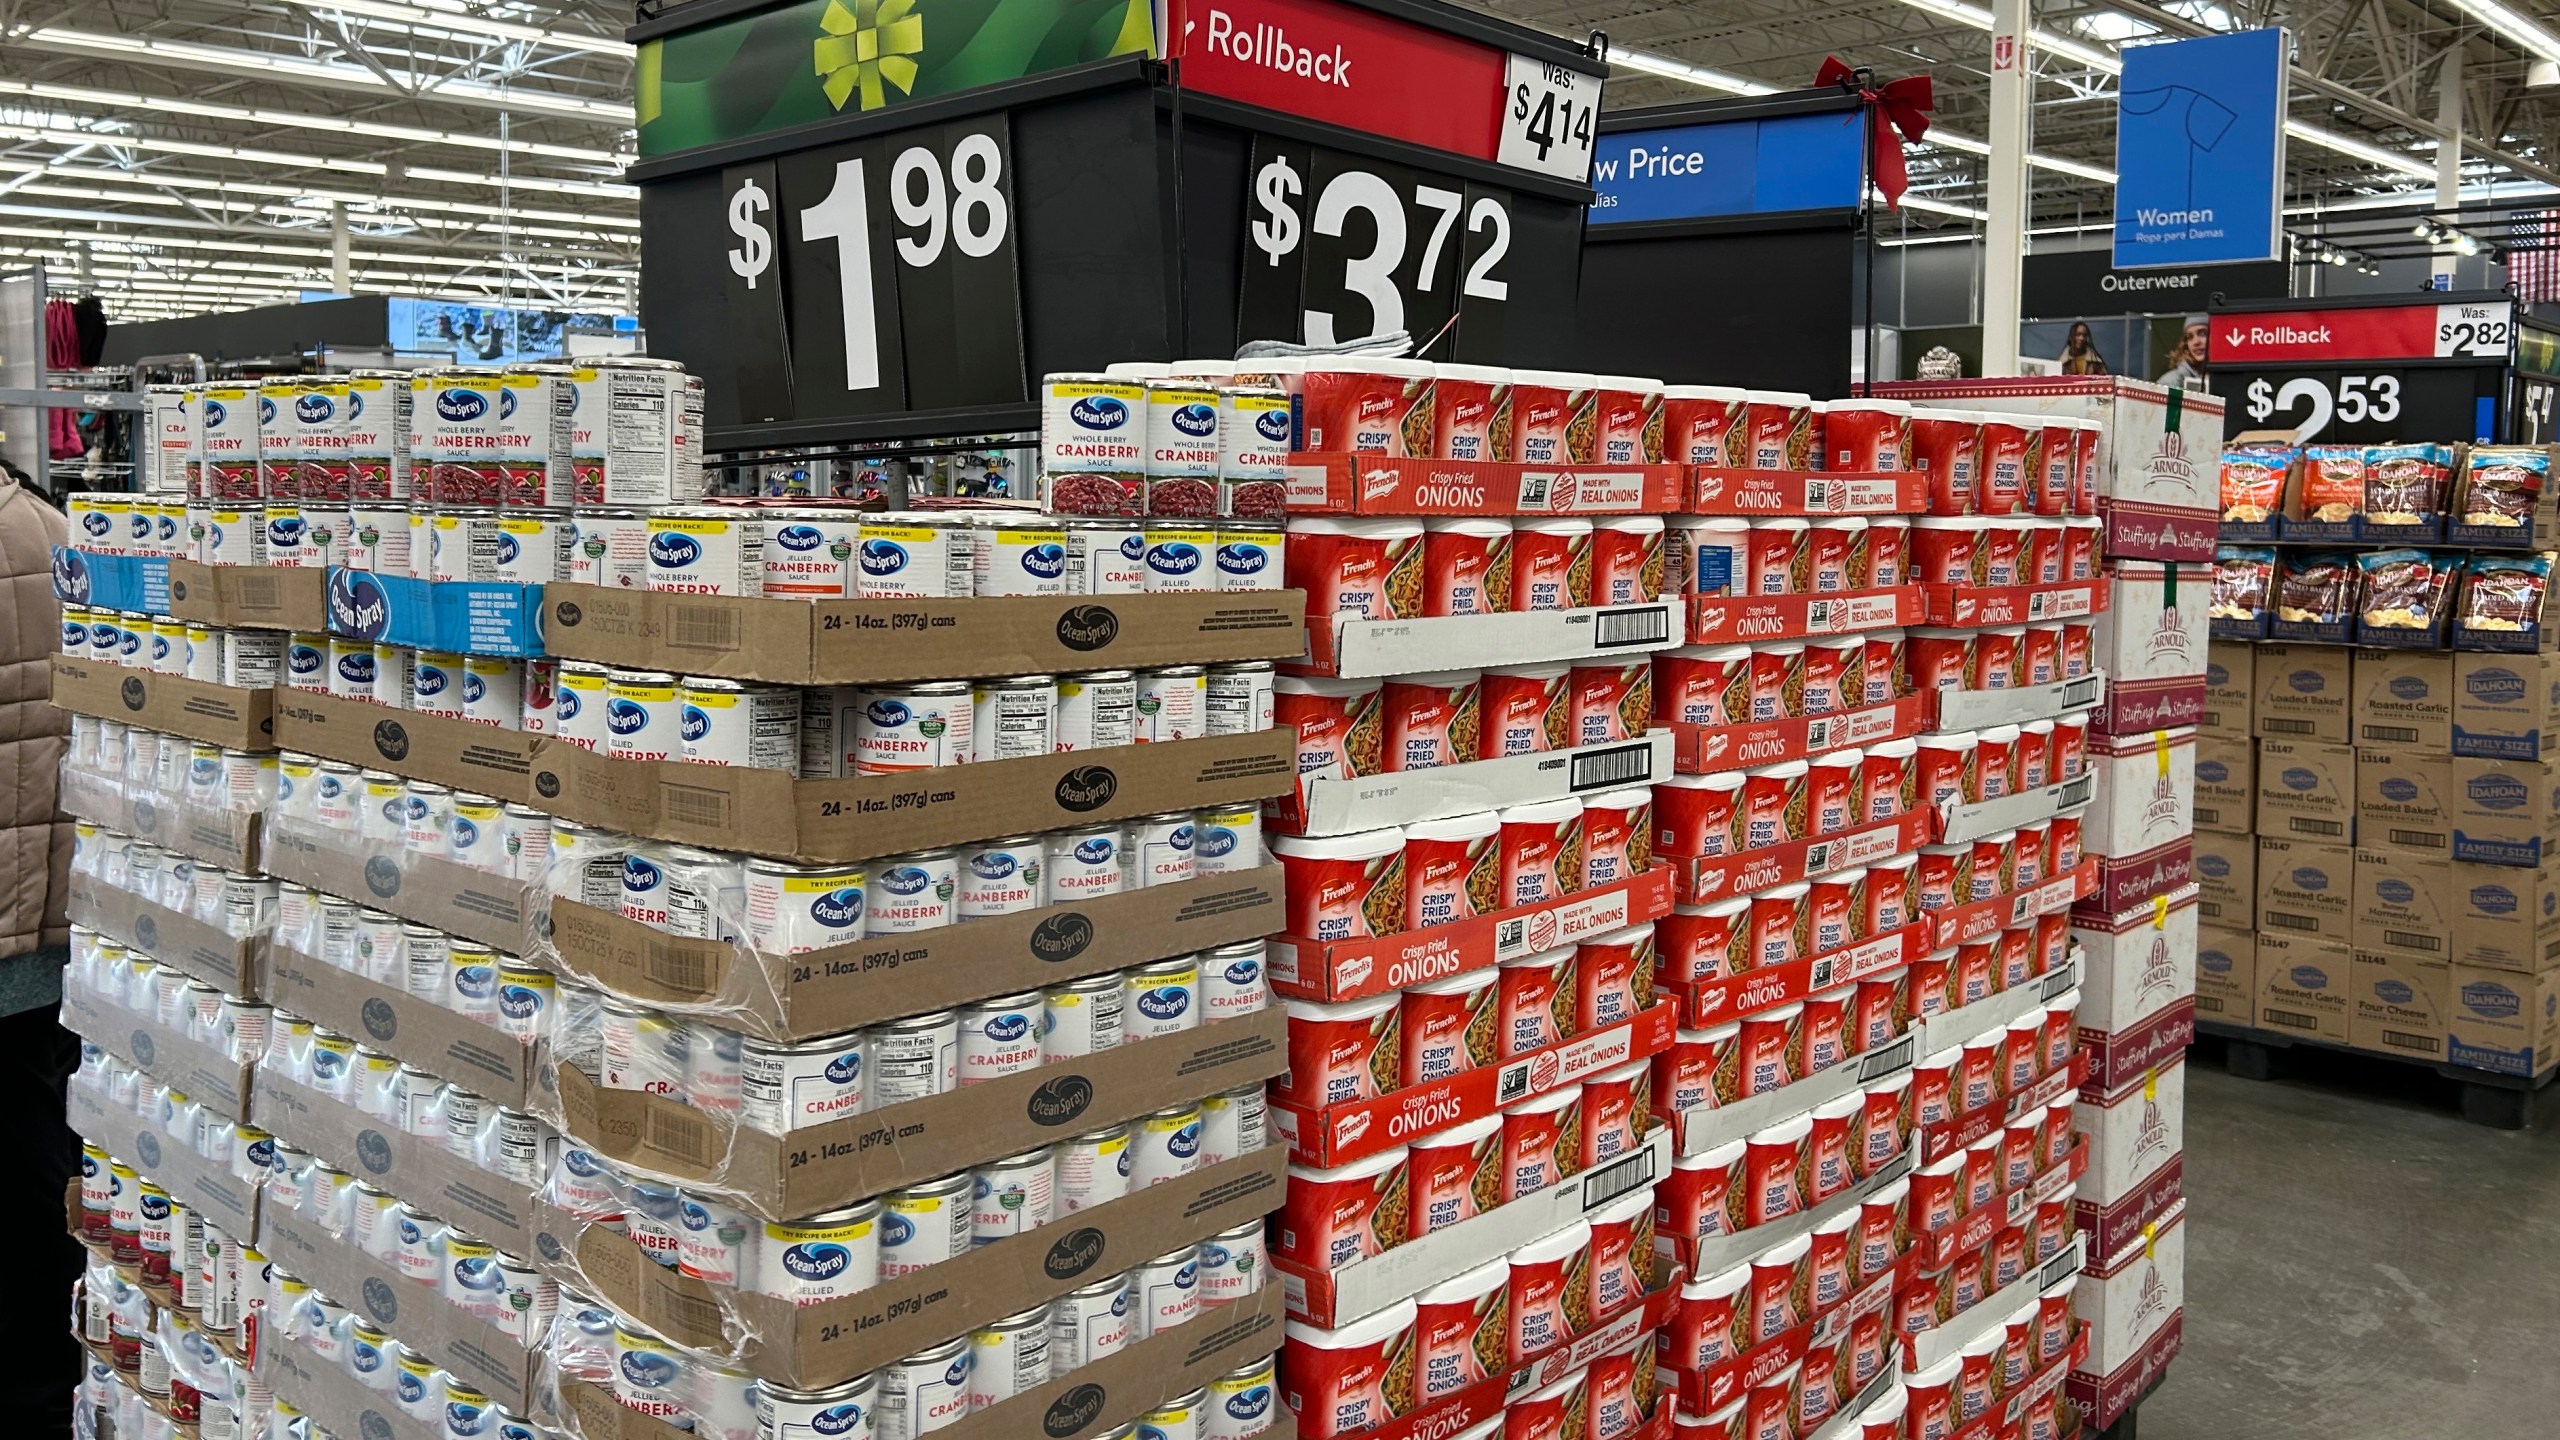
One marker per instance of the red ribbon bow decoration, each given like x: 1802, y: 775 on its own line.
x: 1901, y: 106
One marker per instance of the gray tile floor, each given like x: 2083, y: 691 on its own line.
x: 2362, y: 1262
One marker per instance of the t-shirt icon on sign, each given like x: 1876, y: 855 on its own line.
x: 2173, y: 116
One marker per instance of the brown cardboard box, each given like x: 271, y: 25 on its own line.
x: 846, y: 987
x: 814, y: 1345
x: 2404, y: 698
x: 482, y: 759
x: 235, y: 965
x: 2503, y: 1021
x: 2226, y: 870
x: 249, y: 597
x: 2398, y: 1005
x: 2230, y: 688
x: 2505, y: 812
x: 1096, y: 1399
x: 2226, y: 783
x: 2303, y: 693
x: 2302, y: 986
x: 819, y: 1167
x: 2307, y: 791
x: 418, y: 1170
x: 2404, y: 800
x: 767, y: 812
x: 208, y: 1074
x: 2506, y: 706
x: 477, y: 1056
x: 2226, y: 974
x: 331, y: 1397
x: 227, y: 838
x: 477, y: 1352
x: 224, y: 715
x: 2404, y: 904
x: 796, y: 642
x: 2505, y: 918
x: 2305, y: 888
x: 442, y: 894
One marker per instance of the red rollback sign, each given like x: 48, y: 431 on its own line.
x: 1344, y: 66
x: 2459, y: 329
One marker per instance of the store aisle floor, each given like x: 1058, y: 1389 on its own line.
x: 2362, y: 1262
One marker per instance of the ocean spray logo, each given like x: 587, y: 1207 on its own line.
x: 474, y: 689
x: 905, y: 879
x: 817, y: 1262
x: 214, y: 414
x: 1007, y: 1028
x: 506, y: 404
x: 1165, y: 1002
x: 1244, y: 972
x: 625, y: 717
x: 1044, y: 561
x: 1195, y: 420
x: 845, y: 1069
x: 882, y: 557
x: 1098, y: 851
x: 266, y: 412
x: 1272, y: 426
x: 887, y: 714
x: 800, y: 538
x: 428, y: 681
x: 693, y: 723
x: 673, y: 551
x: 1099, y: 412
x: 507, y: 548
x: 652, y: 1372
x: 1242, y: 560
x: 313, y: 409
x: 993, y: 865
x: 837, y: 908
x: 459, y: 407
x: 1173, y: 558
x: 640, y: 876
x: 96, y: 524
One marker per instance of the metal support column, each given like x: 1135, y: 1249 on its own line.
x: 2004, y: 239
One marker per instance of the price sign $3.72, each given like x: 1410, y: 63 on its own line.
x: 865, y: 255
x: 1338, y: 247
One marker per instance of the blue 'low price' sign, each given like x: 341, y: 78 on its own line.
x: 1728, y: 167
x: 2200, y: 150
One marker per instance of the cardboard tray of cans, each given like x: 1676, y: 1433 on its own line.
x: 1352, y: 648
x: 1702, y: 1130
x: 220, y: 837
x: 1761, y: 494
x: 1330, y: 1135
x: 1973, y: 819
x: 1704, y: 1392
x: 1937, y: 1249
x: 1982, y: 919
x: 1935, y: 1142
x: 1332, y: 1296
x: 1944, y: 1340
x: 837, y: 642
x: 335, y: 1400
x: 248, y: 597
x: 445, y: 1043
x: 209, y: 1189
x: 1339, y: 970
x: 814, y: 1344
x: 233, y: 964
x: 1339, y: 483
x: 1705, y: 1003
x: 439, y: 749
x: 819, y: 1167
x: 1457, y: 1414
x: 1705, y: 879
x: 1091, y: 1400
x: 1718, y: 1253
x: 426, y: 889
x: 1751, y: 619
x: 1329, y: 806
x: 477, y: 1352
x: 419, y: 1170
x: 767, y: 812
x: 1938, y: 1033
x: 1970, y: 606
x: 882, y: 977
x: 207, y: 1074
x: 1980, y: 709
x: 1708, y: 749
x: 225, y: 715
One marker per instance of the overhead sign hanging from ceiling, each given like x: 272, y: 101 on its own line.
x: 2200, y: 150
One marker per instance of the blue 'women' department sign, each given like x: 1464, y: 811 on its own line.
x: 2200, y: 150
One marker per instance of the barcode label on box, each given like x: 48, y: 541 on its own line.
x: 2413, y: 940
x: 2277, y: 920
x: 702, y: 627
x: 2289, y: 1019
x: 686, y: 970
x: 672, y: 1130
x: 1617, y: 765
x: 1609, y: 1182
x: 2423, y: 839
x: 693, y: 805
x: 2276, y: 725
x: 2324, y: 828
x: 1643, y: 625
x: 2392, y: 734
x: 2405, y: 1040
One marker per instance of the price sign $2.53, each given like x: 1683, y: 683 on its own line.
x: 881, y: 269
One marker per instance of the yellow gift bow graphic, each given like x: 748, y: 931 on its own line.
x: 874, y: 41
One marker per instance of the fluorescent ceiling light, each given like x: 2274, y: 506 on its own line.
x: 2524, y: 31
x: 138, y: 230
x: 458, y: 20
x: 1700, y: 75
x: 292, y: 160
x: 414, y: 86
x: 155, y: 179
x: 298, y: 120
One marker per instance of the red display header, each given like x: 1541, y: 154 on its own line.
x: 1344, y: 66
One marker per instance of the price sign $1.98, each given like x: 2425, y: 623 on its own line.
x: 1337, y: 247
x: 883, y: 269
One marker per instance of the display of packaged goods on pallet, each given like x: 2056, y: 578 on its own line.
x: 2473, y: 496
x: 2405, y: 599
x: 157, y: 1305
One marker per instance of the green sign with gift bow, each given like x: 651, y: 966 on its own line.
x: 807, y: 60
